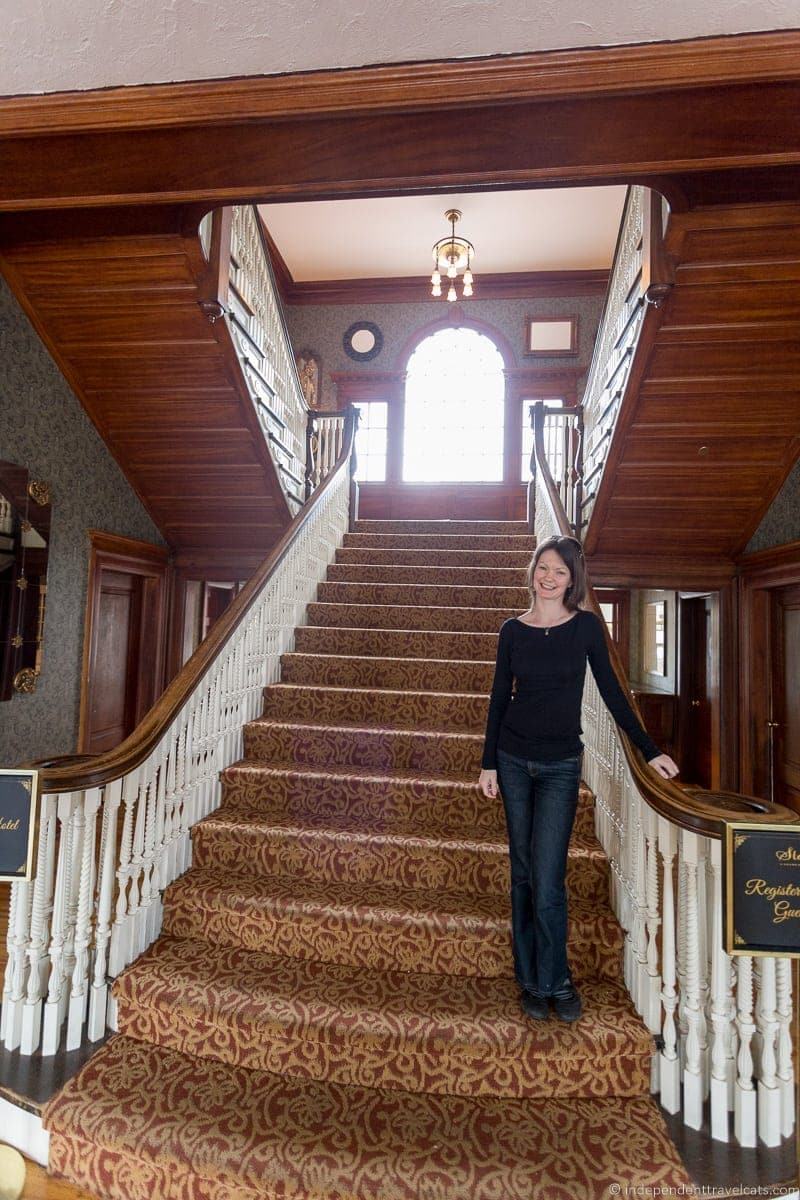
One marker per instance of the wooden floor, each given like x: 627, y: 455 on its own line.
x: 39, y: 1186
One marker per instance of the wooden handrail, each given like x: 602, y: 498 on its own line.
x: 73, y: 773
x: 697, y: 809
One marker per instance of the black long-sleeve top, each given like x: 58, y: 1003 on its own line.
x: 541, y: 718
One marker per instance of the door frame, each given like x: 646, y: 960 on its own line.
x: 760, y: 574
x: 109, y: 551
x: 713, y: 681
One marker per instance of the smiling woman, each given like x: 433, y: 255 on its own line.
x: 532, y: 752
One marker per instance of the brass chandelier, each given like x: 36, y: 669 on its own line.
x: 452, y: 255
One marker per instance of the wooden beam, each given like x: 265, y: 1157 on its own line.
x: 718, y: 108
x: 548, y: 74
x: 505, y: 285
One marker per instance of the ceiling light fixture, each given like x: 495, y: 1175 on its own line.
x: 452, y: 254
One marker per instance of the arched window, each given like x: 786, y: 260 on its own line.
x: 454, y: 409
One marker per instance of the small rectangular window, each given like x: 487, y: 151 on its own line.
x: 527, y: 439
x: 371, y: 441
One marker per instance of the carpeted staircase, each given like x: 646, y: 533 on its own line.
x: 330, y: 1013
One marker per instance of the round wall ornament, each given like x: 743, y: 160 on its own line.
x: 363, y: 341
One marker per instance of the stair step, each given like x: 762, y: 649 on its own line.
x: 385, y: 749
x: 415, y: 674
x: 144, y: 1120
x: 383, y: 802
x: 446, y: 526
x: 399, y: 616
x: 420, y: 595
x: 399, y: 643
x: 255, y: 846
x: 416, y: 1033
x: 374, y: 925
x: 398, y: 709
x: 442, y: 541
x: 434, y: 557
x: 438, y: 573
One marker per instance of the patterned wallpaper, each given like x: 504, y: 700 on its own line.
x: 781, y: 522
x: 44, y: 428
x: 319, y: 328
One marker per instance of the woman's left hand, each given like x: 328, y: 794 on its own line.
x: 663, y: 765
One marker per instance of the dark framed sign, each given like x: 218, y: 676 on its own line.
x: 19, y: 795
x: 761, y: 889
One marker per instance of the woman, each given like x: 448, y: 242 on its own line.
x: 533, y: 745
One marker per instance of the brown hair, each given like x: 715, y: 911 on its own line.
x: 569, y: 549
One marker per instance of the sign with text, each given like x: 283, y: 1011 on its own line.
x: 19, y: 792
x: 761, y: 889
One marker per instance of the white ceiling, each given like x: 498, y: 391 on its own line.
x: 78, y: 44
x: 553, y: 229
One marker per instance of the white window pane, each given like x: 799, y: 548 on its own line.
x: 454, y: 409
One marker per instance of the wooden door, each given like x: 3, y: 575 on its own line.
x: 114, y: 660
x: 697, y: 673
x: 125, y: 633
x: 785, y: 716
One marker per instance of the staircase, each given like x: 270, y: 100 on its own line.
x: 330, y: 1011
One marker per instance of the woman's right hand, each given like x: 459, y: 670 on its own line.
x: 488, y: 783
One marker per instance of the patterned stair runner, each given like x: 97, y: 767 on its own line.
x: 330, y: 1012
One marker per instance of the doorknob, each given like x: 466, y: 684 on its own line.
x: 773, y: 725
x: 695, y: 704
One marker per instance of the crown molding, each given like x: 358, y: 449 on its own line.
x: 547, y: 74
x: 413, y: 289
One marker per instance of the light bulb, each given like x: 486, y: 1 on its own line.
x: 468, y: 276
x: 451, y: 295
x: 436, y: 290
x: 436, y: 278
x: 467, y: 289
x: 451, y: 272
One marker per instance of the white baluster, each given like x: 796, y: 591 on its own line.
x: 703, y: 960
x: 785, y: 1064
x: 681, y: 956
x: 670, y: 1068
x: 121, y: 951
x: 19, y: 933
x: 59, y: 936
x: 721, y: 1062
x: 652, y: 1005
x: 693, y: 1065
x: 769, y: 1091
x: 98, y: 997
x: 745, y: 1097
x: 147, y: 916
x: 79, y: 993
x: 40, y: 911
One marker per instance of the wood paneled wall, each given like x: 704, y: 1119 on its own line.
x: 711, y: 426
x: 120, y: 314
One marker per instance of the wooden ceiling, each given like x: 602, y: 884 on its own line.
x: 710, y: 426
x: 121, y: 317
x: 97, y: 189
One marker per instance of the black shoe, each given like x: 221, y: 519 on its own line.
x: 567, y: 1004
x: 535, y: 1006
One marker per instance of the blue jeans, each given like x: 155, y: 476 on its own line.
x: 540, y: 801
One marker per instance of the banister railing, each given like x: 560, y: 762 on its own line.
x: 562, y: 440
x: 640, y: 277
x: 710, y: 1012
x: 241, y: 291
x: 114, y: 828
